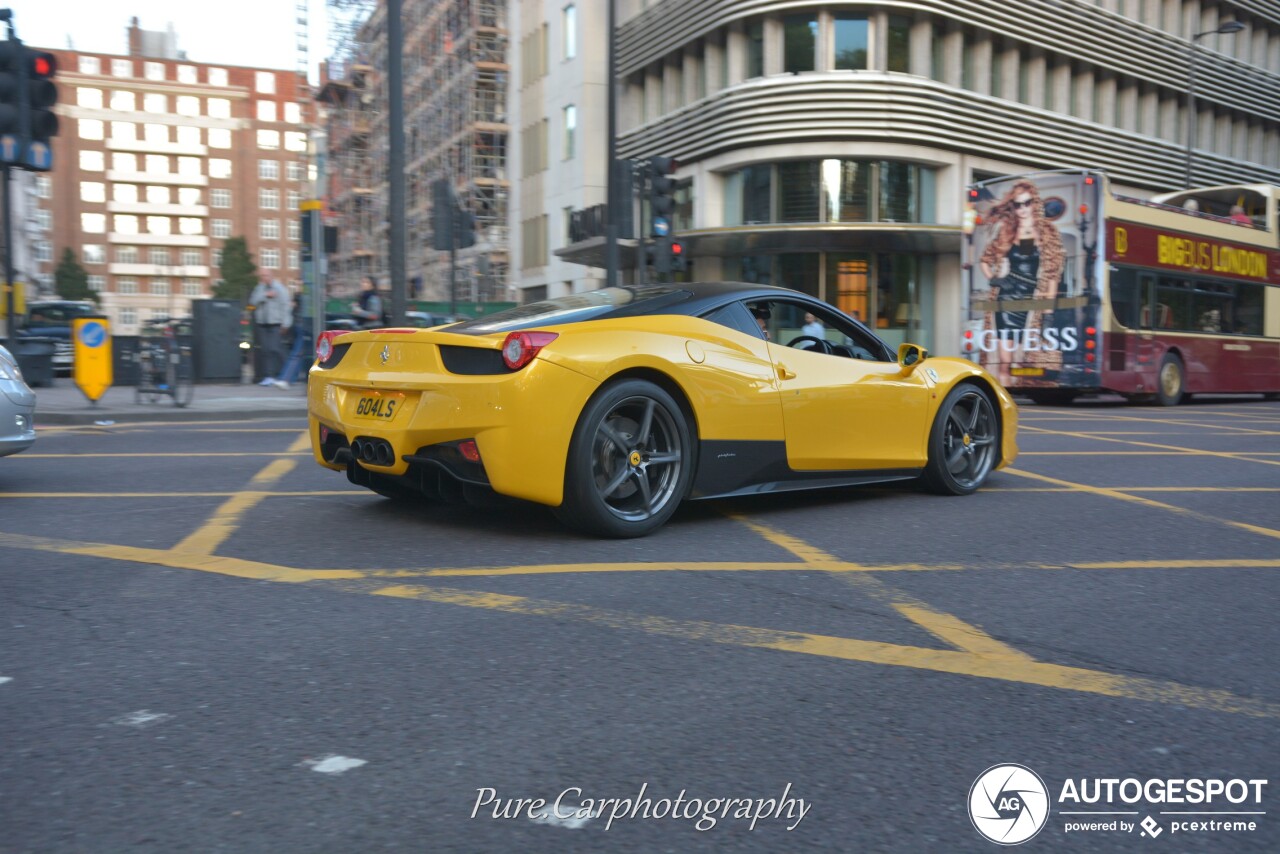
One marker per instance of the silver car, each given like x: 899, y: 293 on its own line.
x: 17, y: 408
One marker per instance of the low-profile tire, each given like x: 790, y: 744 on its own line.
x: 1171, y: 382
x: 964, y: 443
x: 629, y: 463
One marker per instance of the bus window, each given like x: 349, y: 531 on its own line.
x: 1126, y: 299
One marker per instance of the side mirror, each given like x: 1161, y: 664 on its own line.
x: 910, y: 355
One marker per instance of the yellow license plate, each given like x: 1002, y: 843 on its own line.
x: 378, y: 406
x: 1027, y: 372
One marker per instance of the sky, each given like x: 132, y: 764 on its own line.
x: 257, y: 33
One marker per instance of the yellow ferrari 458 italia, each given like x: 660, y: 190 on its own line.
x: 614, y: 406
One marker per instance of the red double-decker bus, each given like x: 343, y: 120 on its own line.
x: 1074, y: 290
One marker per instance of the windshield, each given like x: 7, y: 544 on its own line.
x: 572, y: 308
x: 60, y: 314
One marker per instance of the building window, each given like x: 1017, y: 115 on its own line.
x: 220, y: 197
x: 127, y: 286
x: 155, y: 102
x: 191, y: 258
x: 158, y: 256
x: 266, y: 111
x: 187, y: 105
x: 295, y: 141
x: 294, y: 229
x: 124, y: 132
x: 217, y: 76
x: 91, y: 98
x: 122, y: 68
x: 219, y: 108
x: 265, y: 82
x: 158, y: 164
x: 125, y: 102
x: 157, y: 195
x: 269, y: 170
x: 93, y: 191
x: 126, y: 224
x: 192, y: 225
x: 189, y: 196
x: 293, y: 113
x: 122, y: 161
x: 97, y: 282
x: 294, y: 257
x: 156, y: 133
x: 159, y: 225
x: 90, y: 65
x: 898, y: 41
x: 94, y: 253
x: 570, y: 31
x: 188, y: 135
x: 191, y: 288
x: 153, y: 70
x: 832, y: 190
x: 570, y: 130
x: 296, y: 170
x: 219, y: 138
x: 269, y: 259
x: 187, y: 74
x: 269, y: 139
x: 92, y: 161
x: 128, y: 316
x: 160, y: 287
x: 220, y: 228
x: 44, y: 250
x: 851, y: 42
x: 800, y: 41
x: 91, y: 129
x: 269, y: 229
x: 219, y: 167
x: 189, y: 166
x: 217, y: 257
x: 127, y: 193
x: 44, y: 219
x: 126, y: 255
x: 293, y: 199
x: 44, y: 186
x: 755, y: 48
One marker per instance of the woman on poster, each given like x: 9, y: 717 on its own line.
x: 1023, y: 260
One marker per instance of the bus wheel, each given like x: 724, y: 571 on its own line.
x: 1172, y: 381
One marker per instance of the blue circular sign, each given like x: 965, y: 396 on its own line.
x: 93, y: 334
x: 661, y: 228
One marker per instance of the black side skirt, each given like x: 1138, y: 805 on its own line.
x: 728, y: 468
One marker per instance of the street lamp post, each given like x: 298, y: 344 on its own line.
x: 1226, y: 28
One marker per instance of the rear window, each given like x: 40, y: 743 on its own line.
x: 575, y: 308
x: 56, y: 314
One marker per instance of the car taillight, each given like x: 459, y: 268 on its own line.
x: 324, y: 346
x: 519, y: 348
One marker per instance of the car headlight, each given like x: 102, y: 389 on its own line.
x: 9, y: 371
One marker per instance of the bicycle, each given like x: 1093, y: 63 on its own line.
x: 164, y: 363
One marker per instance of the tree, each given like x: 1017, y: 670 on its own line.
x: 70, y: 279
x: 239, y: 273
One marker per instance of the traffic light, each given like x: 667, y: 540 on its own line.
x: 27, y: 97
x: 442, y: 219
x: 465, y: 223
x: 42, y: 95
x: 662, y: 202
x: 679, y: 263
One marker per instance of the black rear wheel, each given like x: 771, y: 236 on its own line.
x: 629, y: 462
x: 964, y: 444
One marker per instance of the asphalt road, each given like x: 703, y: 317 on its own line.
x: 209, y: 643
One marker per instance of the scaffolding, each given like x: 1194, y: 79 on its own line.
x: 455, y: 119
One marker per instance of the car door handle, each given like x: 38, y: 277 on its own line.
x: 784, y: 374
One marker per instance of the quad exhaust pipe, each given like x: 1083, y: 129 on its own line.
x: 373, y: 451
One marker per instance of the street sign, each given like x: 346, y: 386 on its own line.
x: 91, y: 344
x: 661, y: 226
x: 39, y: 156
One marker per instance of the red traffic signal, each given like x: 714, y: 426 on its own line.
x: 43, y: 63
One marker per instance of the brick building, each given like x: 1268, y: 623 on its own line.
x: 158, y: 161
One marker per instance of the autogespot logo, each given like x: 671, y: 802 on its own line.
x: 1008, y: 804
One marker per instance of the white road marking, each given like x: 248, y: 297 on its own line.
x: 334, y: 764
x: 4, y: 679
x: 141, y: 718
x: 571, y: 821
